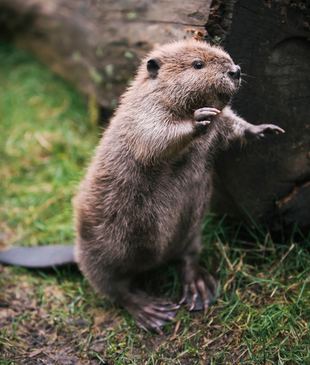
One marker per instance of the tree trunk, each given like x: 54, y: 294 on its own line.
x: 270, y: 180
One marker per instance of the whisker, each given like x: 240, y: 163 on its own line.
x: 247, y: 75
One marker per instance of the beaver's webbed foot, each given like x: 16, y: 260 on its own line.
x: 199, y: 288
x: 149, y: 313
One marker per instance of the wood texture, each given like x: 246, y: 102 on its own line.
x: 269, y: 180
x: 97, y: 44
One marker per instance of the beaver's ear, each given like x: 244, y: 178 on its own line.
x: 153, y: 65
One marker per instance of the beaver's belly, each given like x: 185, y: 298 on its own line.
x: 186, y: 217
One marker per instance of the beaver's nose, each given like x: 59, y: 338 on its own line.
x: 236, y: 73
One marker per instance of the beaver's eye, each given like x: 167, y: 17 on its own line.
x: 198, y: 64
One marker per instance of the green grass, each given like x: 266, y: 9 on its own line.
x: 46, y: 139
x: 263, y: 310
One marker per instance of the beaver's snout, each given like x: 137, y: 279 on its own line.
x: 235, y: 73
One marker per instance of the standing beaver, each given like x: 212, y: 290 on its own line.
x: 147, y: 189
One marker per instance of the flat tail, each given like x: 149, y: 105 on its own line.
x: 39, y: 257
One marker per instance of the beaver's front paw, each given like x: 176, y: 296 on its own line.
x: 262, y: 130
x: 205, y: 113
x: 202, y: 118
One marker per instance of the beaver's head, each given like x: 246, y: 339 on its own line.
x: 192, y: 74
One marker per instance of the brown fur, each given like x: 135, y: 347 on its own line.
x: 147, y: 189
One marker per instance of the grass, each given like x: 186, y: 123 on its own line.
x: 262, y: 314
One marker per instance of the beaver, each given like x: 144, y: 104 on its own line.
x: 148, y: 186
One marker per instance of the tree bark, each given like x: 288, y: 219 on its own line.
x: 270, y: 180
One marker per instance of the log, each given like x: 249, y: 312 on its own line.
x: 94, y: 44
